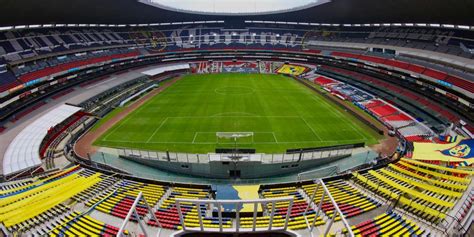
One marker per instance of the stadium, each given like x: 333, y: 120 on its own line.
x: 236, y: 118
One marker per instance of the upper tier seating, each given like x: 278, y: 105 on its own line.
x: 7, y: 80
x: 454, y: 80
x: 47, y: 71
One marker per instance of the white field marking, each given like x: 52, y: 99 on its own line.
x: 233, y: 116
x: 195, y: 135
x: 274, y: 137
x: 131, y: 114
x: 156, y: 130
x: 234, y: 113
x: 314, y: 132
x: 338, y: 114
x: 171, y: 142
x: 252, y: 90
x: 121, y: 123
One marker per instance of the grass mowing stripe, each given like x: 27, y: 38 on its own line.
x: 281, y: 112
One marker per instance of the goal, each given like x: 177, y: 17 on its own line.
x: 234, y: 137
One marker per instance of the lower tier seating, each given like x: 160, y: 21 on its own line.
x: 426, y: 192
x: 387, y: 224
x: 76, y: 224
x: 29, y: 208
x: 296, y: 220
x: 351, y: 201
x: 119, y: 202
x: 168, y: 216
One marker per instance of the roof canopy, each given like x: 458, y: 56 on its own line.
x: 234, y: 7
x: 29, y: 12
x: 23, y: 151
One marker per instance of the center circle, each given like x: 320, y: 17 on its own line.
x: 234, y: 90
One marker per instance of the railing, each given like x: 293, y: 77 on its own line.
x: 133, y: 211
x: 237, y: 204
x: 21, y: 175
x: 464, y: 216
x: 319, y: 173
x: 320, y: 183
x: 206, y: 158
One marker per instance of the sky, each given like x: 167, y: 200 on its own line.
x: 235, y: 6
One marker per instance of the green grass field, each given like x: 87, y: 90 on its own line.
x: 281, y: 113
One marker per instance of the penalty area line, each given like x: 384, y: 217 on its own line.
x: 156, y: 130
x: 314, y: 132
x: 195, y: 135
x: 274, y: 137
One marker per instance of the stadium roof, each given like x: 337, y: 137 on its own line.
x: 234, y: 7
x: 27, y: 12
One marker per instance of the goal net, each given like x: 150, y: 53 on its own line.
x: 234, y: 137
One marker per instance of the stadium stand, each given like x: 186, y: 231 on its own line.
x: 119, y: 201
x: 78, y: 224
x: 425, y: 193
x: 414, y: 96
x: 427, y: 190
x: 297, y: 214
x: 167, y: 212
x: 387, y: 224
x: 351, y: 201
x: 323, y: 81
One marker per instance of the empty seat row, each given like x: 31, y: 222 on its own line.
x: 351, y: 201
x: 387, y: 224
x: 118, y: 201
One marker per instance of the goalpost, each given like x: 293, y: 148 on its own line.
x: 234, y: 137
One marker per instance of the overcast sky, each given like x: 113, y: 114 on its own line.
x: 234, y: 6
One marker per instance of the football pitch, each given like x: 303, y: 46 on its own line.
x: 277, y: 111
